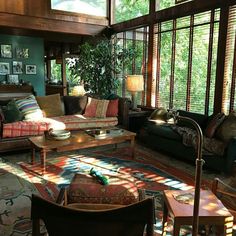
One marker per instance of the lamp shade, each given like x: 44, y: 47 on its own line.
x: 78, y: 90
x: 134, y: 83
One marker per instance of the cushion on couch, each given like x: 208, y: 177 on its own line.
x: 199, y: 118
x: 112, y: 109
x: 50, y: 105
x: 162, y: 130
x: 11, y: 113
x: 75, y: 104
x: 213, y: 124
x: 96, y: 108
x: 29, y: 108
x: 227, y: 129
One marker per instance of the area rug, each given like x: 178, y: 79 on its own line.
x: 19, y: 180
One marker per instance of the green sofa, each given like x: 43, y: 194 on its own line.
x: 164, y: 137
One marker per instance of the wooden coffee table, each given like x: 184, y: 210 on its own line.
x: 211, y: 212
x: 78, y: 140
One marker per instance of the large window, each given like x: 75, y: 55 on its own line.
x: 185, y: 62
x: 138, y: 41
x: 92, y: 7
x: 229, y: 93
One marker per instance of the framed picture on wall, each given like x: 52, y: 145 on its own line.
x: 12, y: 79
x: 17, y: 67
x: 6, y: 51
x: 22, y: 53
x: 30, y: 69
x: 4, y: 68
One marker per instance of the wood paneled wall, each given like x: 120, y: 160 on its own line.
x: 37, y: 15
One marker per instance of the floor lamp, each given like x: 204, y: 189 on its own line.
x: 198, y: 170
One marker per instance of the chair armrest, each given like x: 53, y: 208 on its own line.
x: 215, y: 188
x: 123, y: 111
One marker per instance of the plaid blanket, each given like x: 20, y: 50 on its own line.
x: 69, y: 122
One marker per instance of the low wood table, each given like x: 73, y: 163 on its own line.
x: 78, y: 140
x: 211, y: 212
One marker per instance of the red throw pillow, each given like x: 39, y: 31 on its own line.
x: 112, y: 109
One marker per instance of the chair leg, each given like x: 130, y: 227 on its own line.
x: 35, y: 227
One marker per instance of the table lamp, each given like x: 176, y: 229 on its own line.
x: 198, y: 171
x: 78, y: 90
x: 134, y: 84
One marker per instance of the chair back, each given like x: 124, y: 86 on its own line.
x: 226, y: 194
x: 129, y: 220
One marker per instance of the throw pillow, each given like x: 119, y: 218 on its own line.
x: 214, y: 124
x: 75, y: 104
x: 29, y: 108
x: 11, y: 112
x: 112, y: 109
x: 51, y: 105
x: 227, y: 129
x: 96, y: 108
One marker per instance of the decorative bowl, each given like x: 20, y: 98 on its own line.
x: 60, y: 134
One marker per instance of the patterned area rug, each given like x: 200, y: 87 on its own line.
x: 18, y: 180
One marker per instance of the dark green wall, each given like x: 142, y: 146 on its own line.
x: 36, y: 57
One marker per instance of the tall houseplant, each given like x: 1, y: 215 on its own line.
x: 97, y: 66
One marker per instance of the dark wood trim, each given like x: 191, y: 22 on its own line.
x: 233, y: 84
x: 111, y: 12
x: 172, y: 75
x: 51, y: 25
x: 190, y: 59
x: 150, y: 54
x: 185, y: 9
x: 220, y: 68
x: 209, y: 63
x: 63, y: 72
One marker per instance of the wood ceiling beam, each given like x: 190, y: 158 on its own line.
x: 50, y: 25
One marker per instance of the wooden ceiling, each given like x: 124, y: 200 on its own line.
x: 35, y: 18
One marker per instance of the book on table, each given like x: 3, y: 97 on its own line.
x: 105, y: 132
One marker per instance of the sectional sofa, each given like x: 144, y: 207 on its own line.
x: 219, y: 149
x: 59, y: 112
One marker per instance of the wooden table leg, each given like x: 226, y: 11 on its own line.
x: 132, y: 144
x: 164, y: 219
x: 32, y: 156
x: 176, y: 228
x: 43, y: 160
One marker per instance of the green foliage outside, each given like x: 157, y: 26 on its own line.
x: 199, y: 57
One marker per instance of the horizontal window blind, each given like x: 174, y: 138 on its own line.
x: 185, y: 62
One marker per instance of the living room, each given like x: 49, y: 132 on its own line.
x: 183, y: 55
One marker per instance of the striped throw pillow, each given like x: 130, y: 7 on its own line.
x: 96, y: 108
x: 29, y: 108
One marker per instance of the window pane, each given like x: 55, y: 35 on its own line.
x: 92, y: 7
x: 126, y: 10
x: 187, y: 58
x: 163, y: 4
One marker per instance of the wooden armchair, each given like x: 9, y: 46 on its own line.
x: 226, y: 194
x: 130, y: 220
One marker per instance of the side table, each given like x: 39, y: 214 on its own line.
x: 211, y: 212
x: 136, y: 119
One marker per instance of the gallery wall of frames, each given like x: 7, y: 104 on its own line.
x: 22, y: 61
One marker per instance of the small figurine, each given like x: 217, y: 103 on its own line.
x: 101, y: 178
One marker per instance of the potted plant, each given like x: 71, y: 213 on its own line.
x: 98, y: 64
